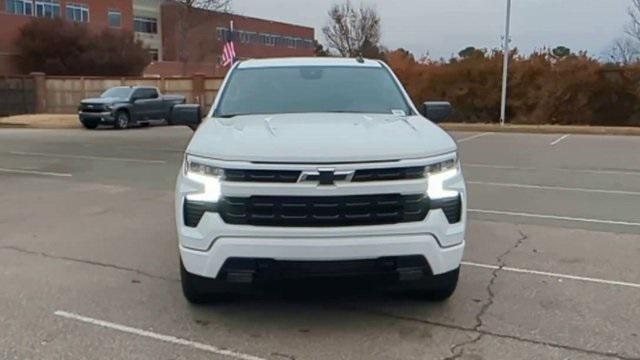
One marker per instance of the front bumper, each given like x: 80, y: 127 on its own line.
x: 205, y: 248
x: 106, y: 117
x: 210, y: 262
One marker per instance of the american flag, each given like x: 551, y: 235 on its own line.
x: 228, y: 51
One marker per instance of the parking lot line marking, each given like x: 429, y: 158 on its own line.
x: 504, y: 167
x: 34, y: 172
x: 473, y: 137
x: 557, y: 141
x: 551, y: 274
x: 586, y: 171
x: 560, y: 188
x: 156, y: 336
x: 554, y: 217
x: 86, y: 157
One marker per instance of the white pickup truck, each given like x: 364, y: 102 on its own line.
x: 319, y: 167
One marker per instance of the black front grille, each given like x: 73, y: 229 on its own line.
x: 265, y: 268
x: 292, y: 176
x: 405, y: 173
x: 281, y: 176
x: 92, y: 108
x: 323, y: 210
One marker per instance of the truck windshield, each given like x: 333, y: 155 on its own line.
x: 117, y: 92
x: 307, y: 89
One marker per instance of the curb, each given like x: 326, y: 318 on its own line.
x: 13, y: 126
x: 543, y: 129
x: 40, y: 121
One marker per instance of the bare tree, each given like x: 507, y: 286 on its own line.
x: 633, y: 27
x: 215, y: 5
x: 624, y: 51
x: 352, y: 31
x: 185, y: 23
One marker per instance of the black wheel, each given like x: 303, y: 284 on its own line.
x: 439, y: 287
x: 90, y: 124
x: 122, y: 120
x: 144, y: 125
x: 193, y: 287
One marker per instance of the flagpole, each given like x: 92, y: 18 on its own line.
x: 505, y: 66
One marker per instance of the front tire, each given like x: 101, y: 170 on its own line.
x: 90, y: 124
x: 439, y: 288
x: 192, y: 287
x: 121, y: 120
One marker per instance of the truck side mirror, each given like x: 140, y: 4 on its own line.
x: 436, y: 111
x: 186, y: 114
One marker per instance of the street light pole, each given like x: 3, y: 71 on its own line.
x: 505, y: 66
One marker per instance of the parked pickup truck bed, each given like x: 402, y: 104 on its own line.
x: 126, y: 106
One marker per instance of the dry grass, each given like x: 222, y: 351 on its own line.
x: 42, y: 121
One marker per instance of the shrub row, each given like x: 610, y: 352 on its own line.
x: 543, y: 88
x: 59, y: 47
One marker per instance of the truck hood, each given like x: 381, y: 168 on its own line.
x: 320, y: 138
x: 102, y: 101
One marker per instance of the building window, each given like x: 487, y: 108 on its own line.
x: 47, y: 8
x: 269, y: 40
x: 290, y: 42
x: 145, y: 25
x: 246, y: 36
x: 115, y: 18
x: 223, y: 33
x: 250, y: 37
x: 155, y: 54
x: 77, y: 12
x: 19, y: 7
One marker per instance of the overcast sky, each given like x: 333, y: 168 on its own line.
x: 443, y: 27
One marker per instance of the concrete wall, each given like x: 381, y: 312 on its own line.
x: 171, y: 68
x: 17, y: 95
x: 62, y: 94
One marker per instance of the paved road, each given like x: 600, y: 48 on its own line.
x: 89, y: 260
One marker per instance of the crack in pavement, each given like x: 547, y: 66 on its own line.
x: 494, y: 334
x: 476, y: 329
x: 457, y: 350
x: 88, y: 262
x: 284, y: 356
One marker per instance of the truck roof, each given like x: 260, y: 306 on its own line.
x: 135, y: 87
x: 307, y: 61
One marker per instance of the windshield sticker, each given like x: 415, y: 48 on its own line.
x: 398, y: 112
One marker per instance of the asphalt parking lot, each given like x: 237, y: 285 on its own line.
x: 89, y: 264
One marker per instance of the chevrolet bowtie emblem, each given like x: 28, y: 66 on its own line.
x: 326, y: 176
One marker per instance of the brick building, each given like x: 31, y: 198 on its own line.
x: 97, y: 14
x: 158, y: 24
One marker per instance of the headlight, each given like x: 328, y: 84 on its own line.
x: 441, y: 167
x: 108, y: 107
x: 437, y: 174
x: 207, y: 175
